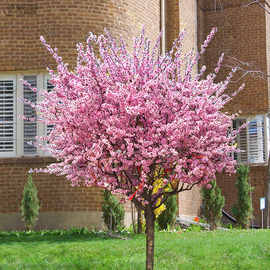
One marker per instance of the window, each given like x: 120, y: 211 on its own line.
x: 253, y: 140
x: 15, y: 133
x: 7, y: 115
x: 29, y: 128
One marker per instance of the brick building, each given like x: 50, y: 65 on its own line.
x: 243, y: 33
x: 64, y: 23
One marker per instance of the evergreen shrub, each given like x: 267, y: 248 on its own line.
x: 110, y: 205
x: 213, y: 202
x: 242, y: 208
x: 30, y: 204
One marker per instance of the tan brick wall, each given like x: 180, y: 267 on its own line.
x: 181, y: 15
x: 54, y: 192
x: 65, y: 23
x: 241, y: 34
x: 172, y: 22
x: 189, y: 203
x: 62, y: 206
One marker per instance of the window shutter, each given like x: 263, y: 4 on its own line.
x: 256, y: 145
x: 47, y: 128
x: 29, y: 128
x: 49, y: 87
x: 7, y: 115
x: 251, y: 140
x: 241, y: 141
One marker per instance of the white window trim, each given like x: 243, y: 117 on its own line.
x: 15, y: 114
x: 18, y: 150
x: 265, y: 140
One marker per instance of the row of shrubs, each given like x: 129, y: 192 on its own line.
x: 113, y: 211
x: 72, y: 231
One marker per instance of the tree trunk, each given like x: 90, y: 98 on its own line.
x: 150, y: 233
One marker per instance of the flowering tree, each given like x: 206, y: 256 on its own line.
x: 124, y: 121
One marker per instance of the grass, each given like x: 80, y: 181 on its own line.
x: 235, y: 249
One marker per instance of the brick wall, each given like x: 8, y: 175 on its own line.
x: 241, y: 34
x: 56, y: 196
x: 181, y: 15
x: 189, y: 203
x: 55, y: 192
x: 64, y: 23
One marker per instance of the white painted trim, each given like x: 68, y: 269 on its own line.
x: 19, y: 109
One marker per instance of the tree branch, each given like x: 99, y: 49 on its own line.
x: 257, y: 2
x: 245, y: 67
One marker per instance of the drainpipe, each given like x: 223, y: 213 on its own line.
x: 196, y: 32
x: 162, y: 19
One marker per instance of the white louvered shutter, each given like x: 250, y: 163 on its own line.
x: 251, y: 140
x: 47, y: 128
x: 49, y: 87
x: 29, y: 128
x: 8, y: 117
x: 241, y: 141
x: 256, y: 143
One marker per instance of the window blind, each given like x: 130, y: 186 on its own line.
x: 7, y: 115
x: 29, y: 128
x: 251, y: 140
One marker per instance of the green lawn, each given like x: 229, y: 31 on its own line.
x: 191, y: 250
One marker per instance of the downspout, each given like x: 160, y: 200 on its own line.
x: 162, y: 24
x: 196, y: 33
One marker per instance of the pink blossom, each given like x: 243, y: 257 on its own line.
x: 123, y: 120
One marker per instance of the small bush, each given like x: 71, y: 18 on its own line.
x: 72, y: 231
x: 213, y: 202
x: 30, y: 204
x: 168, y: 216
x: 242, y: 208
x: 110, y: 205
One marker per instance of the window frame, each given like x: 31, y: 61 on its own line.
x: 263, y: 141
x: 12, y: 77
x: 18, y: 149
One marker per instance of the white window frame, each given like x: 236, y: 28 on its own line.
x: 256, y: 151
x: 18, y: 150
x: 13, y: 78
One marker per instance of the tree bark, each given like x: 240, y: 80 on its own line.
x: 150, y: 233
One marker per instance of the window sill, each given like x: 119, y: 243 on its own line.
x: 26, y: 160
x: 264, y: 164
